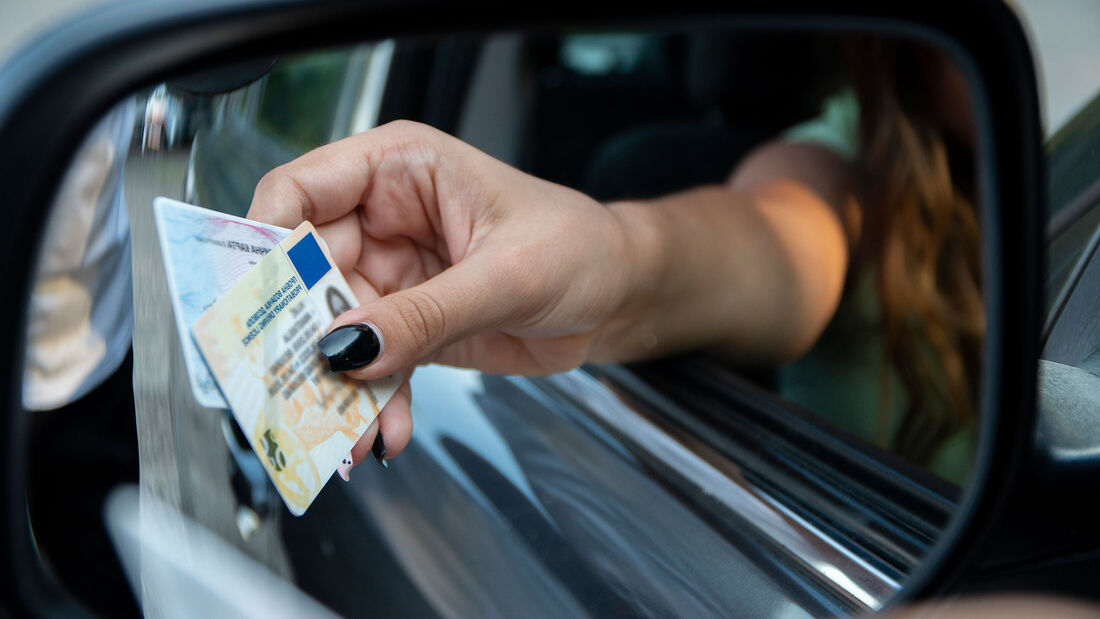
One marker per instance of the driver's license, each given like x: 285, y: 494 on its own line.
x: 259, y: 340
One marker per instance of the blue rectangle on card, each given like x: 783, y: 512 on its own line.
x: 309, y: 260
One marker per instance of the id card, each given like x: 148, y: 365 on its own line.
x: 260, y: 342
x: 205, y: 252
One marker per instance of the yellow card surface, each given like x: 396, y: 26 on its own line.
x: 260, y: 341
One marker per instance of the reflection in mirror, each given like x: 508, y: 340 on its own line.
x: 795, y: 212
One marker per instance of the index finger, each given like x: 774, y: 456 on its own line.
x: 320, y: 186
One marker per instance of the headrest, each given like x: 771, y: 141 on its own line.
x: 768, y: 77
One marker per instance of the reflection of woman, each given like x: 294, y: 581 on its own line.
x: 464, y: 260
x: 913, y: 295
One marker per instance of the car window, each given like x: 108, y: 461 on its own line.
x: 687, y: 485
x: 1061, y: 38
x: 1073, y: 195
x: 680, y: 123
x: 1071, y: 94
x: 301, y: 103
x: 1070, y: 361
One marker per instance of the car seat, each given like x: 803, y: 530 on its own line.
x: 746, y: 87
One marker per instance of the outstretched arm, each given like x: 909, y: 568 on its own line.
x: 461, y: 259
x: 752, y: 269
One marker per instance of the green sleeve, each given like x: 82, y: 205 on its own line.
x: 836, y: 127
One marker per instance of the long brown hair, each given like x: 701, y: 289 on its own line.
x: 920, y: 234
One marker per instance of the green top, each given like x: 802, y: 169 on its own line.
x: 839, y: 378
x: 837, y: 127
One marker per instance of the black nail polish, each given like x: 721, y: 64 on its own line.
x: 350, y: 346
x: 378, y: 449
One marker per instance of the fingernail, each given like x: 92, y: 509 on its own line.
x: 351, y: 346
x: 379, y: 451
x: 345, y: 467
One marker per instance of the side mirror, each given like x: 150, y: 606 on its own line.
x: 436, y: 58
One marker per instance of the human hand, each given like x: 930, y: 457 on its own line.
x: 457, y: 258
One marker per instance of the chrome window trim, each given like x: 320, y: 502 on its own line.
x: 811, y: 549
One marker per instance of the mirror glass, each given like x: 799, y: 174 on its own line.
x: 709, y: 462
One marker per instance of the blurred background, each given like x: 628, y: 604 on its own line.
x: 1063, y: 35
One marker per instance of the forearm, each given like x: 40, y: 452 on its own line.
x: 753, y: 276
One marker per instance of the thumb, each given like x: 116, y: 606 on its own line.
x: 399, y: 330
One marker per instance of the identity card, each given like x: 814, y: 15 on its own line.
x: 259, y: 340
x: 205, y: 252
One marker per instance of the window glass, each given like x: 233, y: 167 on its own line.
x: 1074, y: 190
x: 1062, y: 40
x: 300, y: 97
